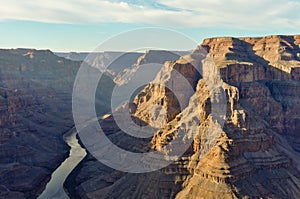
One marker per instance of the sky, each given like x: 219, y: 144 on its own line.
x: 81, y: 25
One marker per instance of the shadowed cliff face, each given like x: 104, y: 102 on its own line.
x: 35, y: 110
x: 257, y: 151
x: 35, y: 105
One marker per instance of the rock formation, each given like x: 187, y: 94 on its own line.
x: 256, y: 153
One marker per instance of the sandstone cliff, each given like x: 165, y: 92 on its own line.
x: 256, y: 153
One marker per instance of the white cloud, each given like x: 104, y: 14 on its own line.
x: 240, y: 14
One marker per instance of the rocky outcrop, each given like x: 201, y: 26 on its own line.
x: 253, y: 59
x: 254, y: 153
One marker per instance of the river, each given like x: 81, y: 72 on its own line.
x: 55, y: 189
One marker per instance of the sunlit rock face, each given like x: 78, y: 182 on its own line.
x: 257, y: 156
x: 256, y: 153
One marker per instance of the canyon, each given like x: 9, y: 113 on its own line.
x: 246, y: 147
x: 36, y: 111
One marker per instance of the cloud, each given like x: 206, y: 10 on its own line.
x: 241, y: 14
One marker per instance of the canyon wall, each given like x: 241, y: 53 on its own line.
x: 256, y: 153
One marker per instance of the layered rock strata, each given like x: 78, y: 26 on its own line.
x: 253, y: 154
